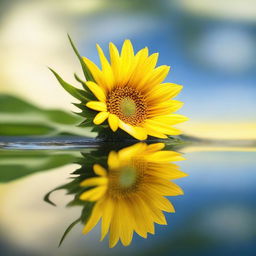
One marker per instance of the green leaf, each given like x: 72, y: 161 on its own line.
x: 9, y: 129
x: 17, y: 164
x: 20, y: 118
x: 87, y: 211
x: 75, y: 92
x: 88, y: 93
x: 47, y: 196
x: 87, y: 73
x: 69, y: 228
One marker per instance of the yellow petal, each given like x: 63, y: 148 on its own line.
x: 161, y: 127
x: 113, y: 121
x: 126, y: 231
x: 107, y: 208
x: 99, y: 170
x: 115, y: 61
x: 93, y: 194
x: 170, y: 119
x: 155, y: 147
x: 164, y: 156
x: 94, y: 218
x: 160, y: 202
x: 127, y: 61
x: 162, y: 92
x: 114, y: 227
x: 158, y: 75
x: 138, y: 133
x: 127, y: 52
x: 97, y: 105
x: 164, y: 187
x: 96, y: 72
x: 104, y: 62
x: 141, y: 206
x: 127, y: 153
x: 166, y: 171
x: 144, y: 66
x: 100, y: 117
x: 113, y: 161
x: 174, y: 88
x: 106, y: 69
x: 152, y: 131
x: 165, y: 205
x: 153, y: 78
x: 96, y: 181
x: 138, y: 216
x: 96, y: 90
x: 156, y: 214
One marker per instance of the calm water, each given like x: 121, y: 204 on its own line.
x: 215, y: 216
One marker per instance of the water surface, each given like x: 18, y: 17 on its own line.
x: 215, y: 216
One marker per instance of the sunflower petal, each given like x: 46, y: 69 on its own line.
x: 97, y: 105
x: 158, y: 75
x: 153, y: 78
x: 115, y: 60
x: 161, y: 127
x: 163, y: 92
x: 96, y: 181
x: 155, y: 147
x: 106, y: 69
x: 100, y: 117
x: 113, y: 160
x: 145, y: 66
x: 170, y: 119
x: 93, y: 194
x: 153, y: 131
x: 114, y: 227
x: 137, y: 132
x: 129, y: 152
x: 96, y: 90
x: 127, y: 63
x: 96, y: 72
x: 113, y: 121
x: 99, y: 170
x: 164, y: 156
x: 94, y: 218
x: 107, y: 207
x: 126, y: 231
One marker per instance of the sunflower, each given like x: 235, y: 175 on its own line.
x: 130, y: 93
x: 130, y: 195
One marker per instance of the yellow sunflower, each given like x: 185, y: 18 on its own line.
x: 130, y: 195
x: 131, y: 94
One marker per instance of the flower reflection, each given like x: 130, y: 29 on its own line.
x: 126, y: 190
x: 131, y: 194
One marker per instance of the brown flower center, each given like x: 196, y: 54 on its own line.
x: 128, y: 104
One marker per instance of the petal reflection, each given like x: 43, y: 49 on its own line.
x: 130, y: 194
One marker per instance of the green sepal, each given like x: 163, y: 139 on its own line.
x: 87, y: 122
x: 87, y: 211
x: 69, y: 228
x: 75, y: 92
x: 87, y: 92
x: 87, y: 73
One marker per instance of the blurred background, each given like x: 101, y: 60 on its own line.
x: 210, y: 46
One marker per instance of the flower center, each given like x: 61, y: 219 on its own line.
x: 128, y: 104
x: 128, y: 176
x: 126, y: 180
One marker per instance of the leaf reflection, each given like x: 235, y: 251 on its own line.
x: 127, y: 190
